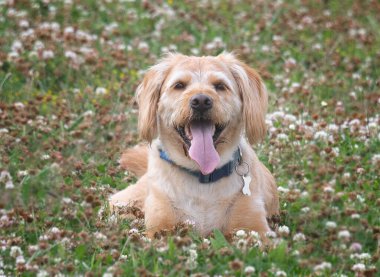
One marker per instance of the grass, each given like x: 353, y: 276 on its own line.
x: 68, y: 72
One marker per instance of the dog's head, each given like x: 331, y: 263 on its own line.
x: 199, y: 107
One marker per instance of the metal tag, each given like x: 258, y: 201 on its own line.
x: 246, y: 180
x: 242, y: 170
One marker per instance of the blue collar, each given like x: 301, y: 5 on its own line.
x: 214, y: 176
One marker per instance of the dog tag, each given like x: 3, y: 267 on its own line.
x: 247, y: 180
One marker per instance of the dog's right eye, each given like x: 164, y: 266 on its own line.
x: 179, y: 85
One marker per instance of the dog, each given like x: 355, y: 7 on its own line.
x: 200, y: 116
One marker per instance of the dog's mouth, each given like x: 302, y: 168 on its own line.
x: 185, y: 132
x: 201, y: 137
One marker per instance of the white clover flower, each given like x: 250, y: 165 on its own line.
x: 291, y: 61
x: 67, y: 200
x: 344, y: 234
x: 346, y: 175
x: 328, y: 189
x: 71, y: 55
x: 22, y: 173
x: 43, y: 238
x: 162, y: 249
x: 23, y: 23
x: 16, y: 251
x: 13, y: 56
x: 45, y: 157
x: 249, y: 269
x: 189, y: 222
x: 355, y: 216
x: 20, y: 260
x: 42, y: 273
x: 241, y: 243
x: 143, y: 46
x: 33, y: 248
x: 317, y: 46
x: 19, y: 105
x: 270, y: 234
x: 133, y: 231
x: 17, y: 46
x: 358, y: 267
x: 47, y: 54
x: 321, y: 135
x: 281, y: 273
x: 206, y: 241
x: 194, y: 51
x: 331, y: 225
x: 290, y: 118
x: 284, y: 230
x: 100, y: 91
x: 283, y: 137
x: 88, y: 113
x: 9, y: 184
x: 68, y: 30
x: 192, y: 260
x: 241, y: 234
x: 4, y: 131
x: 265, y: 48
x: 254, y: 234
x: 322, y: 266
x: 299, y: 237
x: 333, y: 128
x: 375, y: 159
x: 360, y: 198
x: 100, y: 236
x: 55, y: 230
x: 282, y: 189
x: 305, y: 210
x: 361, y: 256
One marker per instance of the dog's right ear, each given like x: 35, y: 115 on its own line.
x: 148, y: 95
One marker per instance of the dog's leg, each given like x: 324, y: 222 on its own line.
x: 248, y: 213
x: 133, y: 195
x: 159, y: 213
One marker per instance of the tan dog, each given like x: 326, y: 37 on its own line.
x: 196, y: 112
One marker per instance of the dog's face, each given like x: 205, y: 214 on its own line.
x: 199, y: 106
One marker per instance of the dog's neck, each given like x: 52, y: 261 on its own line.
x: 223, y: 171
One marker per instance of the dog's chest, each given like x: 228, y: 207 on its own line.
x: 205, y: 206
x: 206, y: 215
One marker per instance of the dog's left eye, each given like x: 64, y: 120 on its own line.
x: 220, y: 86
x: 179, y: 85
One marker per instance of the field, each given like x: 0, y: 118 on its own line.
x: 68, y: 73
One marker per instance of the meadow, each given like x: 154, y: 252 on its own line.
x: 68, y: 73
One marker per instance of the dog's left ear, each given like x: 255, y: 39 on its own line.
x: 253, y: 95
x: 148, y: 95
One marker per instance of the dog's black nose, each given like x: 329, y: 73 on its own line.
x: 201, y: 102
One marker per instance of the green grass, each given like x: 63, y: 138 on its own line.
x: 62, y: 143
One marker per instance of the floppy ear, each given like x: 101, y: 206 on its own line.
x: 253, y: 95
x: 148, y: 95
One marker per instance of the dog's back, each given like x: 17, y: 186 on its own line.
x: 135, y: 160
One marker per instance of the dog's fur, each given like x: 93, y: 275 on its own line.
x: 166, y: 193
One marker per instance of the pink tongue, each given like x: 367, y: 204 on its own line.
x: 202, y: 149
